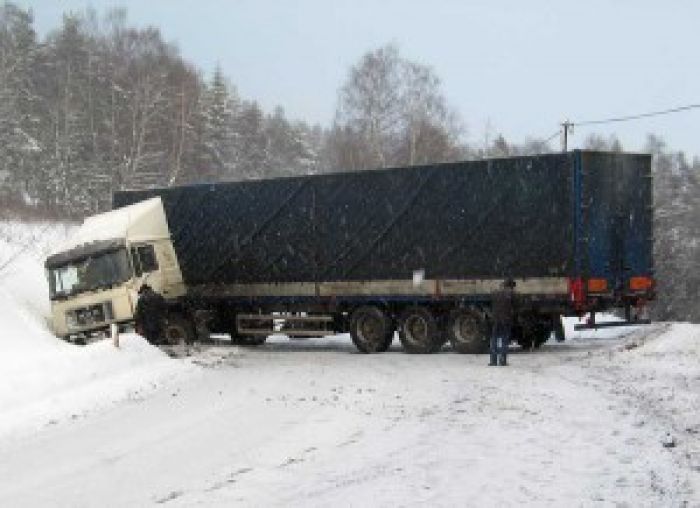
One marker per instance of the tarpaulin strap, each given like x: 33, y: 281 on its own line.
x: 257, y: 231
x: 409, y: 203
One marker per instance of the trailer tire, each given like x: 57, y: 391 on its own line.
x: 468, y: 330
x: 532, y: 331
x: 387, y: 343
x: 420, y: 331
x: 371, y: 329
x: 178, y: 330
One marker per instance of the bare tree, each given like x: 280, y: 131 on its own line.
x: 676, y: 232
x: 391, y: 112
x: 598, y: 142
x: 370, y: 101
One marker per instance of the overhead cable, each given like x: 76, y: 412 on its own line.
x: 637, y: 116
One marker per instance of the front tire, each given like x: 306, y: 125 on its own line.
x: 178, y: 330
x: 371, y: 329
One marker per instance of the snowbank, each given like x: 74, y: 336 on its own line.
x: 43, y: 379
x: 598, y: 333
x: 666, y: 374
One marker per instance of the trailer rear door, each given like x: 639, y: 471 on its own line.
x: 616, y: 220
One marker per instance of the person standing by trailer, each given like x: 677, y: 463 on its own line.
x: 150, y: 315
x: 503, y: 313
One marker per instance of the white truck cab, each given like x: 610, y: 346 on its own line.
x: 94, y: 278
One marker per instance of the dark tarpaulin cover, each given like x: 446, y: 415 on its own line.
x: 479, y: 219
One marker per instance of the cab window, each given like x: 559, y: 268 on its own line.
x: 144, y: 260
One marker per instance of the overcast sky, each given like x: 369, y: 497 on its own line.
x: 514, y: 67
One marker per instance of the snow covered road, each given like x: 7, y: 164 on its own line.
x: 314, y: 423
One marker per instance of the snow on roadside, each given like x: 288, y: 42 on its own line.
x: 598, y: 333
x: 44, y: 380
x: 663, y: 373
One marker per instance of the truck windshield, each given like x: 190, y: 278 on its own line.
x: 102, y: 270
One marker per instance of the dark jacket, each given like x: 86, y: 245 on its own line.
x: 503, y: 307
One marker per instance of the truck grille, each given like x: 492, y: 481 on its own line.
x: 91, y: 315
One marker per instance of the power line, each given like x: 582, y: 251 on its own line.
x: 23, y: 249
x: 568, y: 126
x: 638, y: 116
x: 550, y: 138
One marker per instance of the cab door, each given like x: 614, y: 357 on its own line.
x: 145, y: 264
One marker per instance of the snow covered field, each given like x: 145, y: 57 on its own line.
x: 601, y: 419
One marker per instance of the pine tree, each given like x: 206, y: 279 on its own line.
x: 676, y: 233
x: 18, y: 123
x: 290, y: 150
x: 220, y: 139
x: 254, y: 155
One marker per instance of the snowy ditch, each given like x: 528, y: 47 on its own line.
x: 45, y: 380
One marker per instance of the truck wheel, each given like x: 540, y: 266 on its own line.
x: 387, y: 343
x: 533, y: 331
x: 371, y: 329
x: 468, y: 331
x: 419, y: 331
x: 178, y: 330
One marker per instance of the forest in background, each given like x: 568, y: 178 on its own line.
x: 100, y: 105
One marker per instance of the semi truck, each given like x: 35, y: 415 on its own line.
x: 416, y: 250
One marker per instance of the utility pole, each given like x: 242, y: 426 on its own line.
x: 566, y: 127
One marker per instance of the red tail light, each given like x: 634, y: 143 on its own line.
x: 641, y: 283
x: 597, y: 285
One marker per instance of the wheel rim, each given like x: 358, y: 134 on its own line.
x: 466, y: 329
x: 174, y: 334
x: 416, y: 329
x: 370, y: 330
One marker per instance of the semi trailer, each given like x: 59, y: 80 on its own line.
x: 419, y: 250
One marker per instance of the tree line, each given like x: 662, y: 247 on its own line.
x: 100, y: 105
